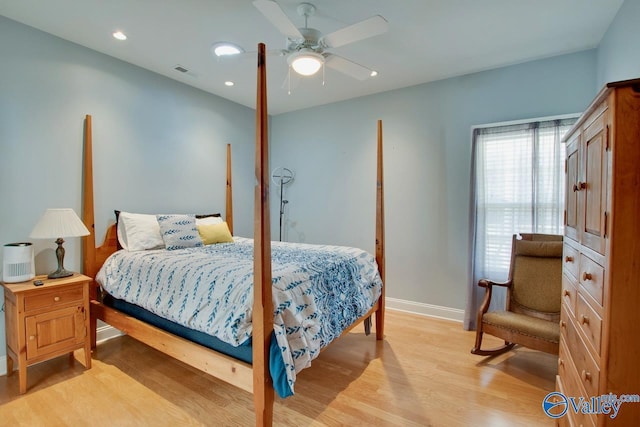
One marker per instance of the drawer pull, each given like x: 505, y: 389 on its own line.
x: 586, y: 276
x: 584, y: 319
x: 586, y: 376
x: 566, y: 293
x: 56, y: 299
x: 563, y: 324
x: 568, y: 259
x: 560, y: 362
x: 32, y: 337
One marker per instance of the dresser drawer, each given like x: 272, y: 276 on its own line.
x: 570, y: 258
x: 590, y: 323
x: 592, y: 278
x: 567, y: 419
x: 569, y: 293
x: 565, y: 366
x: 57, y: 297
x: 570, y: 384
x: 585, y: 366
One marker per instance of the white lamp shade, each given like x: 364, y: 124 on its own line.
x: 305, y: 63
x: 59, y: 223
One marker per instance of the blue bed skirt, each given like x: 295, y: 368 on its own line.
x: 242, y: 352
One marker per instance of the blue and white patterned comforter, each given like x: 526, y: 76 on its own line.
x: 318, y: 291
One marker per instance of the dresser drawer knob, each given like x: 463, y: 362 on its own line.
x: 584, y: 319
x: 586, y: 376
x: 563, y: 324
x: 560, y: 362
x: 32, y: 337
x: 56, y: 299
x: 566, y: 293
x: 586, y: 276
x: 568, y: 259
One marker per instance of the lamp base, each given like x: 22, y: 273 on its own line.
x: 60, y: 273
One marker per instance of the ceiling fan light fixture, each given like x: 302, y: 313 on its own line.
x: 305, y: 62
x: 225, y: 48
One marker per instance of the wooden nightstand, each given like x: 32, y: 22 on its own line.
x: 46, y: 321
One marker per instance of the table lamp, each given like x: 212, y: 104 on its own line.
x: 56, y: 224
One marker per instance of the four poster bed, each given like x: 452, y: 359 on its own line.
x: 271, y: 354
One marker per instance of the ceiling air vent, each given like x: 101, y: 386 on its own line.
x: 184, y: 70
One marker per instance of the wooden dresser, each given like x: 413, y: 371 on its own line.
x: 600, y: 317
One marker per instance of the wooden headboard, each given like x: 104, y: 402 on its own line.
x: 93, y: 257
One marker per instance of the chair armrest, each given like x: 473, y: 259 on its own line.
x: 486, y: 283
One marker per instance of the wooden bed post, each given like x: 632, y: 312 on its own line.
x: 380, y: 258
x: 229, y: 194
x: 263, y: 394
x: 89, y: 242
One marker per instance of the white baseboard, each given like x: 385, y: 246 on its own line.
x: 430, y: 310
x: 106, y: 332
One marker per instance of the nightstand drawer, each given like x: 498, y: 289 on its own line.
x: 58, y: 297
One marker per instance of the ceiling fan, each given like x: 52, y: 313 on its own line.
x: 306, y: 49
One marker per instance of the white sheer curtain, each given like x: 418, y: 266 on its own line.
x: 517, y: 187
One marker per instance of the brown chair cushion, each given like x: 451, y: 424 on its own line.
x: 537, y: 275
x: 525, y: 325
x: 539, y: 248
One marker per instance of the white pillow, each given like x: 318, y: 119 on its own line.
x: 209, y: 220
x: 139, y: 232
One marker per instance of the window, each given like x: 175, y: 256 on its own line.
x: 517, y: 187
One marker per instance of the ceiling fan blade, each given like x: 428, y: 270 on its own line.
x: 272, y: 11
x: 348, y: 67
x: 356, y: 32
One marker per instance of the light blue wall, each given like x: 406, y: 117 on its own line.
x: 619, y: 50
x: 159, y: 145
x: 427, y: 136
x: 157, y: 141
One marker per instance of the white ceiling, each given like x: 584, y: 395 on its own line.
x: 427, y: 39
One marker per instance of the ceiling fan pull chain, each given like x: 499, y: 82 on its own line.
x: 323, y: 74
x: 289, y: 81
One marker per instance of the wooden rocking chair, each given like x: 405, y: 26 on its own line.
x: 532, y: 313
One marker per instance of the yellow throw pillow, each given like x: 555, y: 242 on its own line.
x: 215, y: 233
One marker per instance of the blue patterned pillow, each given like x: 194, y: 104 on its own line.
x: 179, y: 231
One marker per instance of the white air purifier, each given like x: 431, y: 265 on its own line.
x: 17, y: 262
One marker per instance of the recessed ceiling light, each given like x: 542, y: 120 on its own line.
x: 225, y: 48
x: 373, y: 73
x: 229, y: 83
x: 119, y: 35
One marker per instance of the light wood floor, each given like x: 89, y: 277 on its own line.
x: 422, y: 374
